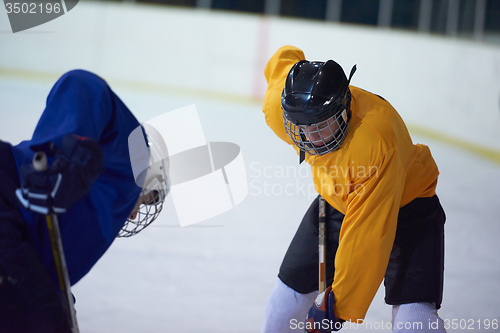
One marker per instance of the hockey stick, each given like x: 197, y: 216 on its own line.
x: 322, y: 245
x: 40, y: 164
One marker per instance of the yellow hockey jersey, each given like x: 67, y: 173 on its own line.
x: 376, y: 170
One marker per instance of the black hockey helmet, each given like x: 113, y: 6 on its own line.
x: 316, y: 92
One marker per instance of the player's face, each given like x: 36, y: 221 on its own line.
x: 322, y: 133
x: 147, y: 199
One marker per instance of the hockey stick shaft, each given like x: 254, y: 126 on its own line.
x: 40, y: 164
x: 322, y: 245
x: 62, y: 270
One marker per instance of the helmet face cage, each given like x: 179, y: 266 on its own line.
x: 316, y: 106
x: 149, y: 208
x: 150, y: 201
x: 319, y: 138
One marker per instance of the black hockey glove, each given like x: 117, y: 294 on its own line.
x: 320, y: 318
x: 77, y: 165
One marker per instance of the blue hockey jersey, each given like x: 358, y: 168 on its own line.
x: 82, y: 103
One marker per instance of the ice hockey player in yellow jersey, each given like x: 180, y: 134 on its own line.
x: 384, y: 220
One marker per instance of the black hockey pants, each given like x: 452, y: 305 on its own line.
x: 29, y: 300
x: 416, y: 264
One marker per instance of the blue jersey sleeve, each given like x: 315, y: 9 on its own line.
x: 82, y: 103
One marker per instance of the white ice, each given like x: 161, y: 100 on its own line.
x: 215, y: 276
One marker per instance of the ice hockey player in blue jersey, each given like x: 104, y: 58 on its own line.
x: 84, y: 132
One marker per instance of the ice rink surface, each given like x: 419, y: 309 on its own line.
x: 215, y: 276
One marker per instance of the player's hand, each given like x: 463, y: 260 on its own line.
x: 77, y: 165
x: 320, y: 318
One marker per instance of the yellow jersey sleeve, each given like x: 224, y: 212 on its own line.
x: 276, y: 72
x: 366, y: 237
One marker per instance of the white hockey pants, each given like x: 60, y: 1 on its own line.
x: 286, y: 311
